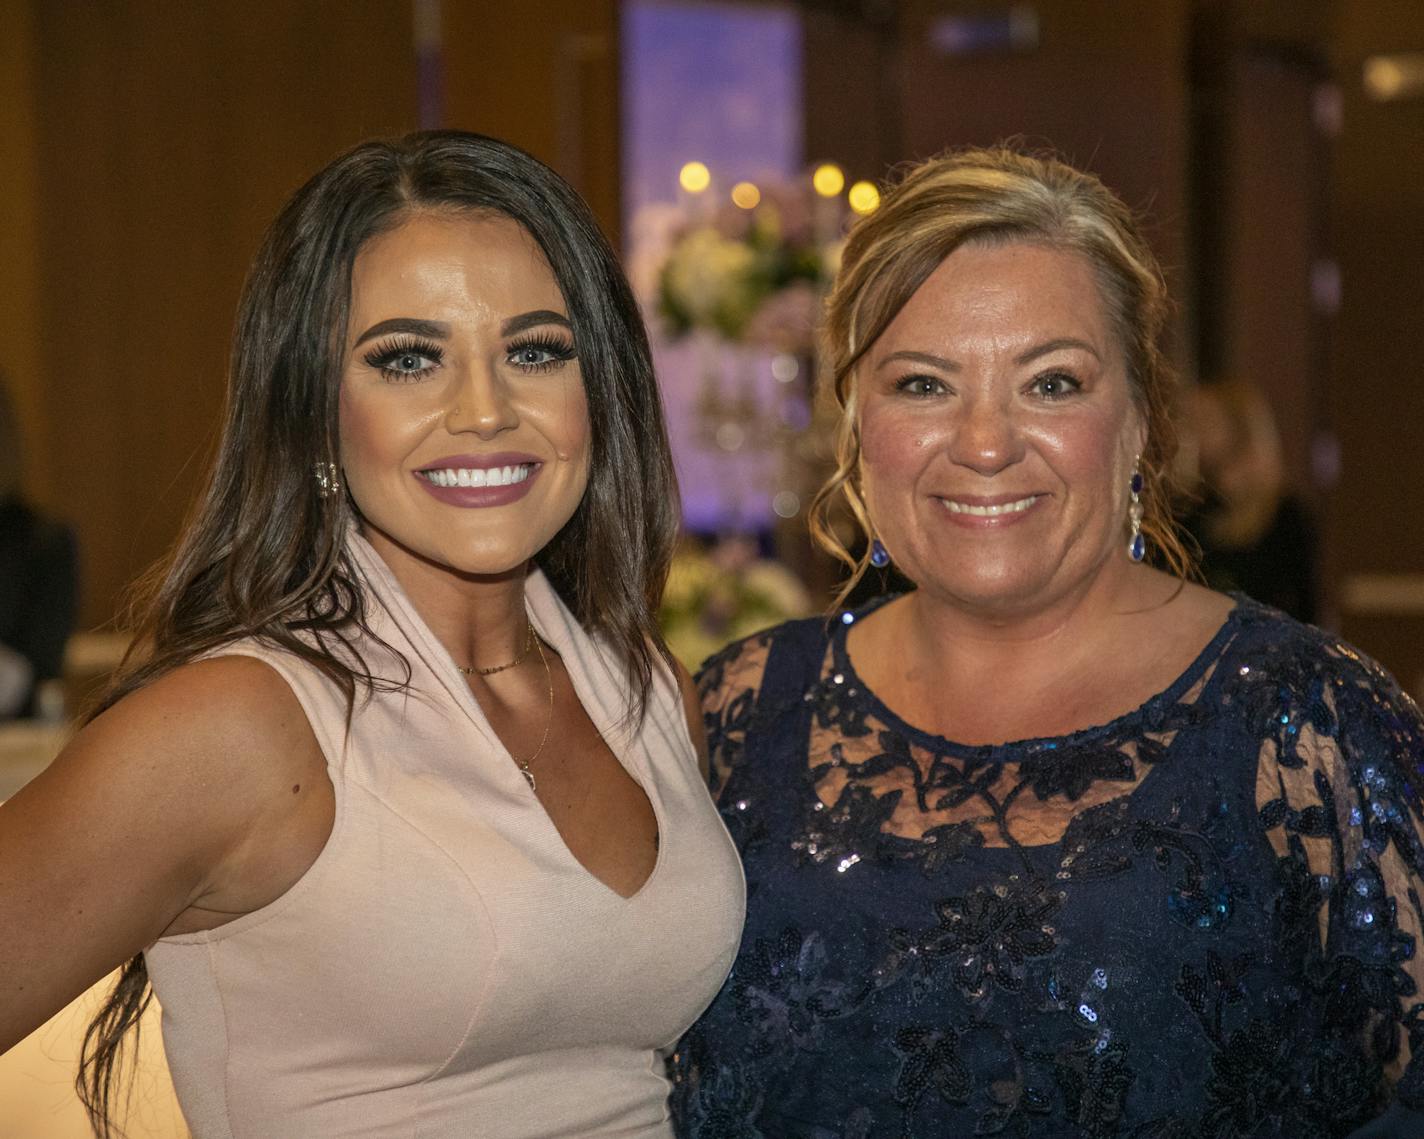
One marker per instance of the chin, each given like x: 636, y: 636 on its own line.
x: 1008, y: 590
x: 469, y: 556
x: 1004, y: 599
x: 485, y: 561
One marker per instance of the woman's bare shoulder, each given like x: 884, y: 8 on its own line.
x: 222, y: 704
x: 231, y: 741
x: 195, y: 798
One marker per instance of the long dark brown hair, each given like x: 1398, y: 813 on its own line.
x: 262, y: 554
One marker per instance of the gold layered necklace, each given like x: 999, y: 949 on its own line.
x: 523, y: 764
x: 471, y: 670
x: 531, y: 640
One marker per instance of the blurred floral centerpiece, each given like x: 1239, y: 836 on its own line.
x: 752, y: 274
x: 739, y: 277
x: 717, y: 596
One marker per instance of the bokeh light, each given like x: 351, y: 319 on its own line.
x: 864, y: 197
x: 828, y: 179
x: 746, y: 195
x: 694, y: 177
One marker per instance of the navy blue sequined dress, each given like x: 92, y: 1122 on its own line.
x: 1220, y: 940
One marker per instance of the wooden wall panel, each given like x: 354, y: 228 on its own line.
x: 852, y: 112
x: 1376, y: 399
x: 1106, y: 92
x: 19, y: 247
x: 166, y: 136
x: 1270, y: 328
x: 542, y: 74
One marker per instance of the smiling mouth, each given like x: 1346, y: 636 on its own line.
x: 1018, y: 506
x: 478, y: 476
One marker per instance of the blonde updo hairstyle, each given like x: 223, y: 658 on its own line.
x: 996, y: 196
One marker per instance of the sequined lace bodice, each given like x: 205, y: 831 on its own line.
x: 1196, y: 920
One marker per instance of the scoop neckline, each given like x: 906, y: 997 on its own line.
x: 856, y: 688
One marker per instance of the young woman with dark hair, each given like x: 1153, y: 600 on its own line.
x: 398, y: 804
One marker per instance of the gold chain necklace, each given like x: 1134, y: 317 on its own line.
x: 471, y: 670
x: 523, y: 764
x: 531, y: 640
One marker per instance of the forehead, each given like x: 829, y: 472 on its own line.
x: 452, y: 260
x: 1010, y: 293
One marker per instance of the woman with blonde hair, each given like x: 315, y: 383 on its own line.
x: 1254, y: 534
x: 1057, y: 843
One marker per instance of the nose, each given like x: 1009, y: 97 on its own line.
x: 481, y: 404
x: 986, y: 438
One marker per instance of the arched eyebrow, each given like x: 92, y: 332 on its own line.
x: 430, y: 329
x: 517, y: 324
x: 439, y: 330
x: 1053, y: 346
x: 926, y: 358
x: 1028, y: 357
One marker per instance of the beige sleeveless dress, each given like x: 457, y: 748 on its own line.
x: 446, y: 967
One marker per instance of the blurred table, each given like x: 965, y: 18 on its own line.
x: 37, y: 1099
x: 25, y: 750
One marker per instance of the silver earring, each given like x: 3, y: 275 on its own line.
x: 1137, y: 544
x: 327, y: 481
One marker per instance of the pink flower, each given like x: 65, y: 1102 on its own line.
x: 786, y: 320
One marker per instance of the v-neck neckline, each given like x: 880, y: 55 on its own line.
x: 554, y: 623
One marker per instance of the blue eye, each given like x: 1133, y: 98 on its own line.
x: 541, y: 354
x: 919, y: 385
x: 405, y: 361
x: 1055, y: 385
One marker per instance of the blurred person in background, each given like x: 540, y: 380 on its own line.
x: 1255, y: 536
x: 1057, y: 843
x: 39, y: 587
x: 399, y: 804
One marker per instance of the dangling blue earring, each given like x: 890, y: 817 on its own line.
x: 1137, y: 544
x: 879, y: 555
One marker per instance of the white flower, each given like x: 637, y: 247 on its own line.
x: 705, y: 271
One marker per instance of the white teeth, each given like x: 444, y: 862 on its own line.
x: 477, y: 476
x: 990, y: 511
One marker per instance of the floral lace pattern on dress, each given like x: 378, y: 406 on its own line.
x: 1213, y: 932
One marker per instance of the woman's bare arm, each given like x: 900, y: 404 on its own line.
x: 196, y: 799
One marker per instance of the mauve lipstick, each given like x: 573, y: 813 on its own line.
x: 479, y: 496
